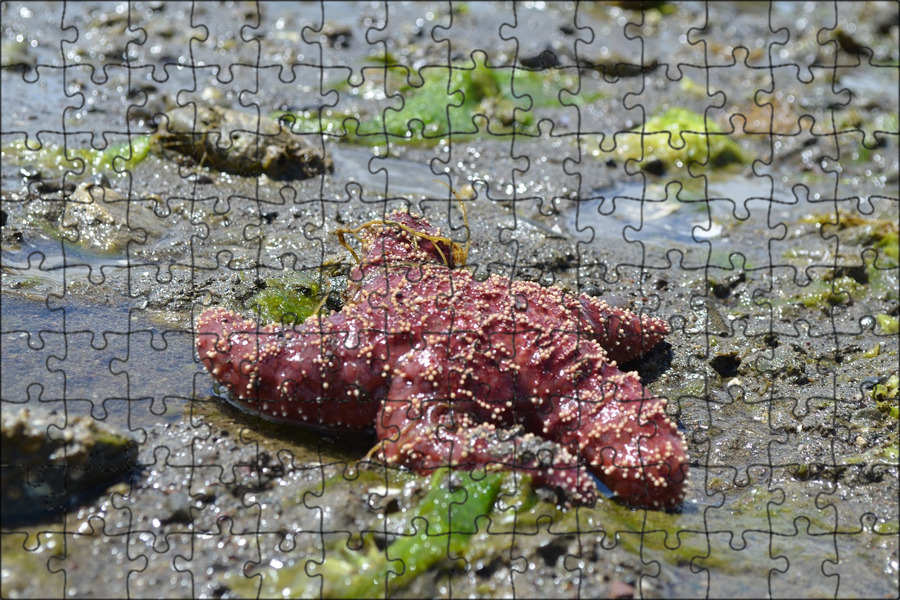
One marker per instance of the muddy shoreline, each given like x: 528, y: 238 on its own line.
x: 777, y: 273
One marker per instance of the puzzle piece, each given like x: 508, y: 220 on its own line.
x: 601, y: 174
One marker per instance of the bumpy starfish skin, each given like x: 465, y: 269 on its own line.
x: 455, y: 371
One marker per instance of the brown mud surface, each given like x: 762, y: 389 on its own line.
x: 778, y: 275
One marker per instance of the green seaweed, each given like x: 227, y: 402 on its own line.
x: 116, y: 158
x: 445, y: 520
x: 872, y: 352
x: 440, y: 527
x: 444, y: 103
x: 27, y: 550
x: 887, y: 323
x: 443, y: 523
x: 881, y: 234
x: 289, y: 299
x: 839, y: 291
x: 544, y: 87
x: 889, y: 242
x: 869, y: 125
x: 444, y: 527
x: 886, y: 397
x: 877, y: 273
x: 677, y: 138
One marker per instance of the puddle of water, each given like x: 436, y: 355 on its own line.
x: 45, y: 259
x: 107, y: 362
x: 666, y: 216
x: 397, y: 176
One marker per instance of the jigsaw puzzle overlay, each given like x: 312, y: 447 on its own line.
x: 500, y: 299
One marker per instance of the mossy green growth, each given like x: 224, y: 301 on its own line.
x: 544, y: 87
x: 443, y: 523
x: 677, y: 138
x: 887, y: 400
x: 853, y: 228
x: 872, y: 352
x: 889, y: 242
x: 445, y: 102
x: 888, y: 122
x: 25, y: 565
x: 117, y: 158
x: 439, y: 527
x: 886, y: 397
x: 289, y: 299
x: 875, y: 127
x: 690, y: 86
x: 840, y: 290
x: 887, y: 323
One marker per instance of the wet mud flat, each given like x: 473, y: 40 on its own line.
x: 776, y: 269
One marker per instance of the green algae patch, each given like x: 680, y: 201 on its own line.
x: 887, y: 323
x: 546, y: 88
x: 463, y: 100
x: 116, y: 158
x: 872, y: 352
x: 690, y: 86
x: 27, y: 551
x: 442, y: 525
x: 886, y: 397
x: 438, y: 527
x: 289, y: 299
x: 873, y: 129
x: 875, y: 240
x: 855, y: 229
x: 675, y: 139
x: 889, y: 243
x: 448, y: 528
x: 839, y: 291
x: 636, y: 531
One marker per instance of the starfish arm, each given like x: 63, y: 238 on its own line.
x: 419, y: 429
x: 623, y: 334
x: 299, y: 375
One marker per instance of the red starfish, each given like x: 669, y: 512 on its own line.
x: 453, y: 371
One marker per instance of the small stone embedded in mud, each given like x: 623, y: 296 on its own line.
x: 47, y: 468
x: 241, y: 143
x: 91, y: 218
x: 98, y: 218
